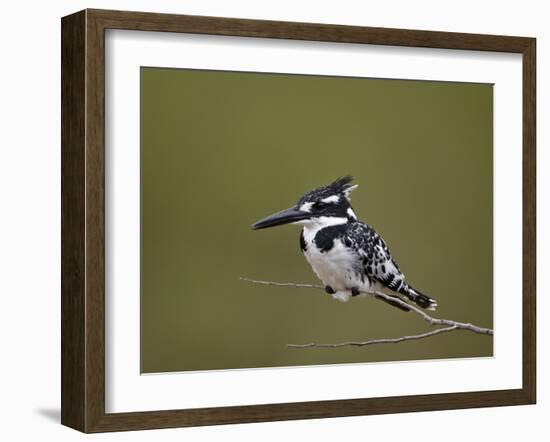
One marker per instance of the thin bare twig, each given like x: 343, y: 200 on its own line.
x: 283, y: 284
x: 450, y: 325
x: 437, y: 321
x: 437, y: 331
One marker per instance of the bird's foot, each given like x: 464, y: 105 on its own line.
x: 355, y: 291
x: 329, y: 290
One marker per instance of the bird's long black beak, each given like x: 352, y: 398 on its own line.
x: 284, y: 217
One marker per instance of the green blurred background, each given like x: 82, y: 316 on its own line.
x: 222, y: 149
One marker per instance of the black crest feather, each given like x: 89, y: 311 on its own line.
x: 338, y: 186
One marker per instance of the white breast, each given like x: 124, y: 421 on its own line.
x: 335, y: 267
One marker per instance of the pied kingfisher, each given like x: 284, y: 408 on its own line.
x: 348, y: 256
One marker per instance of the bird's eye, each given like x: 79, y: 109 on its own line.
x: 319, y: 205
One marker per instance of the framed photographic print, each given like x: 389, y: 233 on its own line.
x: 270, y: 220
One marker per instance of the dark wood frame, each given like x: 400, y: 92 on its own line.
x: 83, y: 217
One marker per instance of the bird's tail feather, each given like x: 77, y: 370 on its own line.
x: 420, y: 298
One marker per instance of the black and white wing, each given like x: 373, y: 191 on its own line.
x: 379, y: 265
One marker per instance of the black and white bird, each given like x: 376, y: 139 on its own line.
x: 347, y: 255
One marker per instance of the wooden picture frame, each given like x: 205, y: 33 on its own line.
x: 83, y: 220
